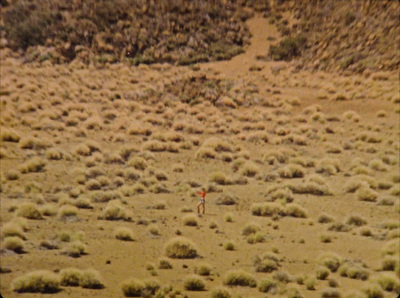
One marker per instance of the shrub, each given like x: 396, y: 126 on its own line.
x: 9, y: 135
x: 190, y: 220
x: 295, y: 210
x: 251, y: 228
x: 91, y: 279
x: 339, y: 227
x: 330, y: 260
x: 70, y: 277
x: 310, y: 187
x: 54, y: 154
x: 220, y: 178
x: 356, y: 221
x: 325, y: 238
x: 75, y: 249
x: 67, y: 211
x: 292, y: 171
x: 114, y: 211
x: 123, y: 233
x: 203, y: 270
x: 29, y: 210
x: 220, y: 292
x: 330, y: 293
x: 226, y: 199
x: 281, y: 276
x: 267, y: 209
x: 180, y: 248
x: 151, y: 286
x: 193, y: 283
x: 239, y: 278
x: 389, y: 282
x: 15, y: 244
x: 322, y: 273
x: 249, y: 169
x: 325, y: 218
x: 288, y: 48
x: 229, y: 245
x: 266, y: 285
x: 42, y: 281
x: 310, y: 283
x: 153, y: 230
x: 373, y: 291
x: 33, y: 165
x: 83, y: 203
x: 389, y: 263
x: 12, y: 175
x: 228, y: 217
x: 13, y: 229
x: 138, y: 163
x: 132, y: 287
x: 48, y: 210
x: 268, y: 263
x: 204, y: 153
x: 164, y: 263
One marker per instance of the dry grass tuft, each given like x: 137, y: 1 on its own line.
x: 114, y: 211
x: 330, y: 260
x: 15, y: 244
x: 42, y: 281
x: 239, y: 278
x: 194, y: 283
x: 267, y: 209
x: 91, y: 279
x: 29, y: 210
x: 190, y: 220
x: 180, y: 248
x: 33, y: 165
x: 123, y: 233
x: 221, y: 292
x: 132, y: 288
x: 70, y: 277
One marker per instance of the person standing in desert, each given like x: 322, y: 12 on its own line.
x: 202, y: 202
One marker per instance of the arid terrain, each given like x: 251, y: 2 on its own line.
x: 101, y: 165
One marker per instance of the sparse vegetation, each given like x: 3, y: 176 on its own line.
x: 42, y: 281
x: 180, y: 248
x: 239, y: 278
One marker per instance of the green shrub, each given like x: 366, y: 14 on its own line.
x: 239, y: 278
x: 193, y: 283
x: 42, y: 281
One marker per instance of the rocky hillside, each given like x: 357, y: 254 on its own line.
x: 351, y: 36
x: 344, y: 36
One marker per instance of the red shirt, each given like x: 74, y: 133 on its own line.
x: 202, y: 194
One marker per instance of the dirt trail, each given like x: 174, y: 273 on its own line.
x: 239, y: 66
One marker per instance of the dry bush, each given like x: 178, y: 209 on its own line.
x: 281, y: 276
x: 66, y: 212
x: 389, y: 282
x: 34, y: 143
x: 164, y: 263
x: 295, y: 210
x: 229, y: 245
x: 378, y: 165
x: 228, y: 217
x: 292, y: 171
x: 330, y: 260
x: 218, y: 144
x: 12, y: 175
x: 365, y: 193
x: 328, y: 166
x: 239, y: 278
x: 325, y: 218
x: 154, y: 146
x: 190, y: 220
x: 321, y: 273
x: 14, y: 243
x: 227, y: 198
x: 70, y: 277
x: 3, y: 153
x: 303, y: 161
x: 13, y: 229
x: 75, y: 249
x: 267, y: 209
x: 203, y: 270
x: 268, y: 263
x: 203, y: 153
x: 48, y: 210
x: 356, y: 220
x: 42, y: 281
x: 105, y: 196
x: 54, y: 154
x: 139, y: 163
x: 29, y: 210
x: 114, y: 211
x: 123, y: 233
x: 153, y: 230
x: 267, y: 285
x: 249, y: 169
x: 220, y: 292
x: 178, y: 168
x: 194, y: 283
x: 324, y: 238
x: 353, y: 271
x: 91, y: 279
x: 33, y: 165
x: 132, y: 288
x: 9, y: 135
x: 251, y: 228
x: 310, y: 283
x: 180, y: 248
x: 373, y: 290
x: 339, y: 227
x: 220, y: 178
x: 132, y: 174
x: 285, y: 195
x: 330, y: 293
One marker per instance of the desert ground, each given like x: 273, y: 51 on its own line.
x: 100, y: 167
